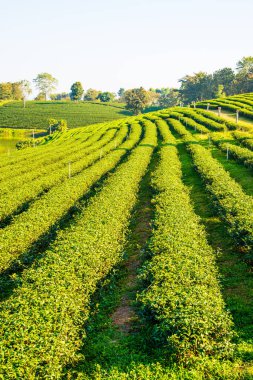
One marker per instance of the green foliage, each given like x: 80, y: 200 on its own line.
x: 25, y: 144
x: 232, y: 103
x: 202, y: 86
x: 91, y: 94
x: 60, y: 96
x: 121, y: 93
x: 60, y: 194
x: 36, y: 114
x: 65, y: 278
x: 234, y: 205
x: 11, y: 91
x: 106, y: 97
x: 76, y: 91
x: 220, y: 93
x: 169, y: 99
x: 57, y: 125
x: 45, y: 83
x: 136, y: 100
x: 182, y: 274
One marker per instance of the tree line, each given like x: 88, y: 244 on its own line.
x: 199, y: 86
x: 223, y: 82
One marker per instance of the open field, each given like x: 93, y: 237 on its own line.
x: 36, y: 114
x: 127, y: 251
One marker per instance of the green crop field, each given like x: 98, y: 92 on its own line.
x: 36, y: 114
x: 126, y: 247
x: 230, y: 104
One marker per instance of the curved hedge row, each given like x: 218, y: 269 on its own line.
x: 231, y: 125
x: 42, y: 323
x: 234, y: 205
x: 29, y: 226
x: 207, y: 122
x: 183, y: 293
x: 46, y: 157
x: 11, y: 202
x: 57, y: 141
x: 55, y: 165
x: 242, y: 155
x: 227, y: 105
x: 180, y: 129
x: 248, y: 143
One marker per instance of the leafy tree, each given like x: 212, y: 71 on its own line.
x: 45, y: 83
x: 225, y: 77
x: 244, y: 77
x: 55, y: 125
x: 76, y: 91
x: 169, y: 98
x: 136, y: 99
x: 91, y: 94
x: 153, y: 97
x: 40, y: 97
x: 6, y: 91
x: 106, y: 96
x: 26, y: 89
x: 196, y: 87
x: 245, y: 65
x: 121, y: 93
x: 17, y: 91
x: 60, y: 96
x: 220, y: 93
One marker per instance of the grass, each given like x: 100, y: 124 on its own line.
x: 36, y: 114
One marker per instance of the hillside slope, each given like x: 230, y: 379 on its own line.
x: 36, y: 114
x: 126, y: 251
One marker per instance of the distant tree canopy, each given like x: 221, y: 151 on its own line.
x: 40, y: 97
x: 45, y: 83
x: 136, y: 99
x: 76, y: 91
x: 106, y: 96
x: 11, y: 91
x: 26, y: 90
x: 57, y: 125
x: 202, y: 86
x: 121, y: 93
x: 169, y: 98
x: 91, y: 94
x: 60, y: 96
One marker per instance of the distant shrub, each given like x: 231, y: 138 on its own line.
x: 57, y: 125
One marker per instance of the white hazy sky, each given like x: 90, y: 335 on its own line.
x: 122, y: 43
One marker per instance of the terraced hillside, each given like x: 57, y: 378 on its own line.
x: 127, y: 251
x: 36, y: 114
x: 241, y: 102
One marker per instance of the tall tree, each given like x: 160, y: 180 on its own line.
x: 244, y: 77
x: 76, y: 91
x: 26, y: 90
x: 91, y: 94
x: 121, y: 93
x: 6, y: 90
x: 169, y: 98
x: 225, y: 77
x: 45, y: 83
x: 136, y: 99
x: 196, y: 87
x: 106, y: 96
x: 17, y: 91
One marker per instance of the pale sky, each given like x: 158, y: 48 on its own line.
x: 115, y: 43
